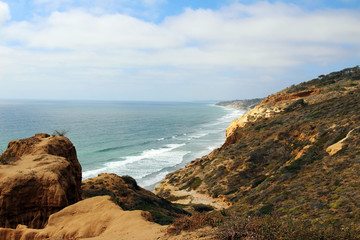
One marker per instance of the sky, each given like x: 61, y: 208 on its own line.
x: 171, y: 50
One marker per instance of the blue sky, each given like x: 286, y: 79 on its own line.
x: 171, y: 50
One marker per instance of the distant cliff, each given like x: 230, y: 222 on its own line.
x: 246, y: 104
x: 295, y: 154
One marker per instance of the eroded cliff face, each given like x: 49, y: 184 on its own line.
x: 38, y: 176
x: 296, y: 153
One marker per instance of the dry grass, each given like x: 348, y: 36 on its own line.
x: 232, y: 226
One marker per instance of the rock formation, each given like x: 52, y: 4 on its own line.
x: 129, y: 196
x: 95, y: 218
x: 38, y: 176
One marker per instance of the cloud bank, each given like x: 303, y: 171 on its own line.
x: 239, y: 50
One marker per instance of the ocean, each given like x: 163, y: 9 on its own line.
x: 145, y: 140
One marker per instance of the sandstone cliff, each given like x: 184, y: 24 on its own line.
x: 295, y: 154
x: 38, y: 176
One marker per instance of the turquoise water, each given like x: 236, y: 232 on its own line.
x: 145, y: 140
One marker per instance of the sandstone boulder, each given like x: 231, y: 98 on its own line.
x: 38, y: 176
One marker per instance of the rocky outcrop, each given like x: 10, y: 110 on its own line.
x: 351, y: 136
x: 284, y: 97
x: 38, y: 176
x: 95, y: 218
x: 262, y: 110
x: 189, y: 197
x: 129, y: 196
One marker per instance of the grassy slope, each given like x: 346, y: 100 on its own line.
x: 260, y: 173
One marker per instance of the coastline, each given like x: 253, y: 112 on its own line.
x: 106, y: 141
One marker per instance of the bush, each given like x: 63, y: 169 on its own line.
x: 59, y: 132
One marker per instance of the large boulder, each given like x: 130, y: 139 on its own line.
x: 38, y: 176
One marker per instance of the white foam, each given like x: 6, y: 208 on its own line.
x: 147, y: 154
x: 149, y: 166
x: 198, y: 135
x: 153, y: 160
x: 154, y: 179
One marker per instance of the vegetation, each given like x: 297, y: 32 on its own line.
x: 280, y: 165
x: 129, y: 196
x: 269, y: 227
x: 60, y: 132
x: 334, y: 81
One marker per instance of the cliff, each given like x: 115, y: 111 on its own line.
x: 38, y: 176
x: 296, y: 154
x: 246, y: 104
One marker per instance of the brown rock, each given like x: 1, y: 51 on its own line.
x: 38, y: 176
x: 130, y: 196
x: 274, y: 98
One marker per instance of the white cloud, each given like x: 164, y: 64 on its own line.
x: 77, y: 30
x: 210, y: 47
x: 4, y: 13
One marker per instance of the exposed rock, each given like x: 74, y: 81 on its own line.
x: 187, y: 197
x: 262, y: 110
x: 95, y: 218
x: 336, y: 147
x: 302, y: 94
x: 130, y: 196
x: 38, y: 176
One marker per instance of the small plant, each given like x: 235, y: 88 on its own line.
x: 59, y: 132
x: 6, y: 158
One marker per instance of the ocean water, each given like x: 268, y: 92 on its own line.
x: 145, y: 140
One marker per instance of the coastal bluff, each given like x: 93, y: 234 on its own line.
x: 39, y: 176
x: 294, y: 155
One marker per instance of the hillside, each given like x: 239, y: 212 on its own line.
x: 246, y: 104
x: 296, y: 154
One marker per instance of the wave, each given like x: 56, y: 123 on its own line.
x: 112, y: 149
x: 153, y: 164
x: 122, y: 147
x: 150, y: 180
x: 164, y: 156
x: 147, y: 154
